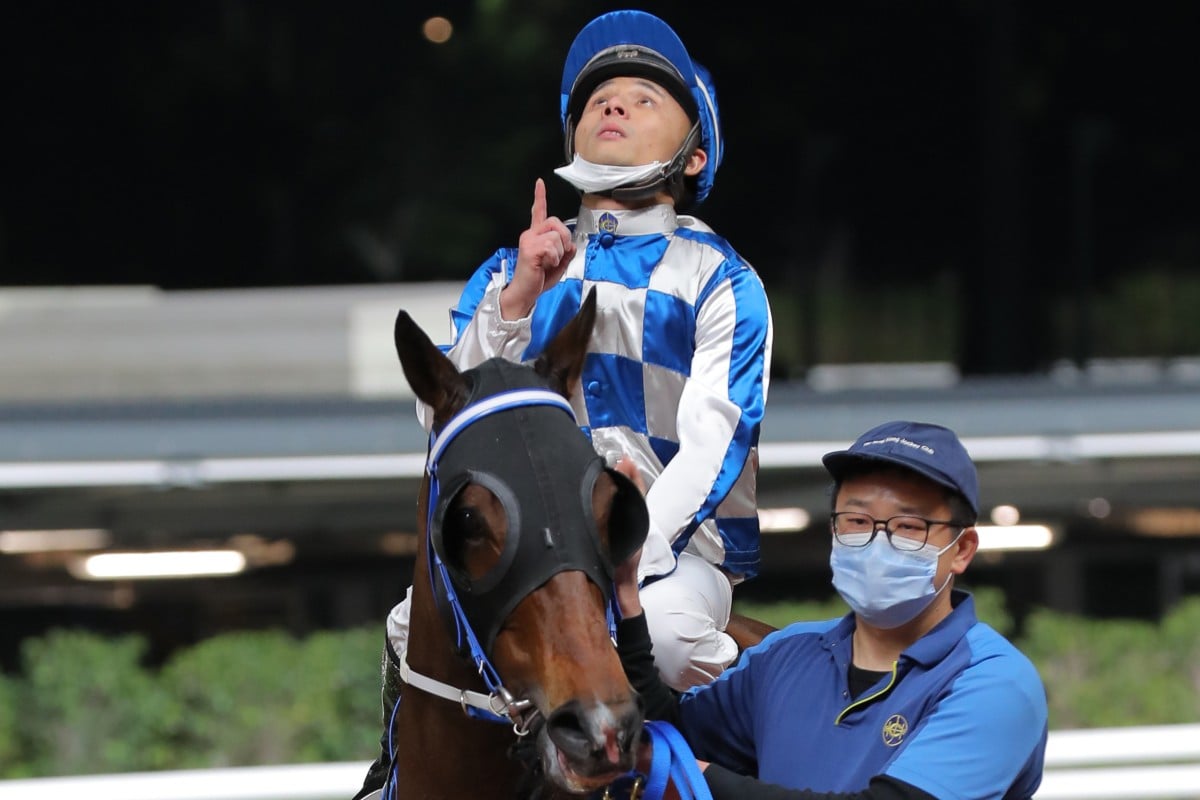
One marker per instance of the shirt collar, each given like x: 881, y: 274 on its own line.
x: 634, y: 222
x: 934, y: 645
x: 937, y: 644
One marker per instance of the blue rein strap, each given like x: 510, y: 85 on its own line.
x: 673, y: 756
x: 671, y: 760
x: 613, y: 614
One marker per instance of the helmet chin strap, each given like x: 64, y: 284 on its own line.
x: 670, y: 177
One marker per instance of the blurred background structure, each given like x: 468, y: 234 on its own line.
x: 975, y: 213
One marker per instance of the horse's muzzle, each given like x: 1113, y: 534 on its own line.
x: 593, y: 743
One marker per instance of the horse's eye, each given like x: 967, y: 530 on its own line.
x: 464, y: 527
x: 467, y: 522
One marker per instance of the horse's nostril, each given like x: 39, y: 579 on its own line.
x: 566, y: 729
x: 599, y: 735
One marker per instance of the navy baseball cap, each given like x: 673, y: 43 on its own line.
x: 929, y: 450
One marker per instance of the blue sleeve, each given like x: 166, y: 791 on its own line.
x: 718, y: 718
x: 503, y: 260
x: 720, y: 415
x: 748, y: 360
x: 717, y: 722
x: 986, y: 736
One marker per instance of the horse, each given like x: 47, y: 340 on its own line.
x: 747, y: 631
x: 512, y: 622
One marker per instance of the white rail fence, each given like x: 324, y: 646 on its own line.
x: 1138, y: 763
x: 1160, y: 762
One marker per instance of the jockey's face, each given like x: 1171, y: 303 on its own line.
x: 629, y: 122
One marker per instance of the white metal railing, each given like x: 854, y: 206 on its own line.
x: 289, y: 782
x: 1159, y: 761
x: 1137, y: 763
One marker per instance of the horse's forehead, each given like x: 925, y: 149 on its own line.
x: 537, y: 451
x: 536, y: 437
x: 498, y: 375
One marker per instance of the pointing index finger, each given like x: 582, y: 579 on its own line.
x: 538, y: 212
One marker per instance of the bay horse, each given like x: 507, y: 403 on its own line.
x: 520, y: 526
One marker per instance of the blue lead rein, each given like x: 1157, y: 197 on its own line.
x: 671, y: 760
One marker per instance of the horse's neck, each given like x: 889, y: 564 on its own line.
x: 441, y: 751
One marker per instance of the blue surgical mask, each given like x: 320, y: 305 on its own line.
x: 885, y: 586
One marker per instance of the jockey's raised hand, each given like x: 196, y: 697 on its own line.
x: 544, y: 251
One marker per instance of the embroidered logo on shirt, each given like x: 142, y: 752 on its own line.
x: 894, y: 730
x: 607, y: 222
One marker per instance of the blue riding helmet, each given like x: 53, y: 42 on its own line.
x: 634, y: 43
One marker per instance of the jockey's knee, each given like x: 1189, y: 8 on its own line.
x: 686, y: 613
x: 689, y: 651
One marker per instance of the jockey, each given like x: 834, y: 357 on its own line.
x: 676, y: 376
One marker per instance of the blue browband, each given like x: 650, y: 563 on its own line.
x: 485, y: 407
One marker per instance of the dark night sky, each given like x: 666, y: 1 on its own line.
x: 236, y: 143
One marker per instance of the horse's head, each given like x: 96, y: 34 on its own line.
x: 523, y: 525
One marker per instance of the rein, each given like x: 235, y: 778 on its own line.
x: 671, y: 760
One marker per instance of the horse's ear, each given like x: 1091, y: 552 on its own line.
x: 561, y: 363
x: 433, y: 377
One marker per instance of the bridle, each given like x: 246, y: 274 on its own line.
x: 498, y: 704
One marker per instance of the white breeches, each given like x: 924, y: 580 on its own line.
x: 687, y: 612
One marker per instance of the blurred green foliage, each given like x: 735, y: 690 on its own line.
x: 86, y: 704
x: 9, y: 717
x: 85, y: 701
x: 1107, y: 674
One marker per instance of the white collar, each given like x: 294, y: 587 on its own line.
x: 629, y: 222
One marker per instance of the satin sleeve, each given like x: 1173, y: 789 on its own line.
x: 478, y: 332
x: 719, y: 415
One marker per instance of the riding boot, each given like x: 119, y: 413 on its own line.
x: 377, y: 773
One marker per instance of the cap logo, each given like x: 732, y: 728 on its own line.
x: 607, y: 222
x: 924, y: 448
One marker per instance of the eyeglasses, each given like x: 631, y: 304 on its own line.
x: 903, y: 532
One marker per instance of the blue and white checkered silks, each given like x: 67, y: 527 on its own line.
x: 676, y: 376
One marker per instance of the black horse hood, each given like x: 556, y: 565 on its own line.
x: 542, y: 468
